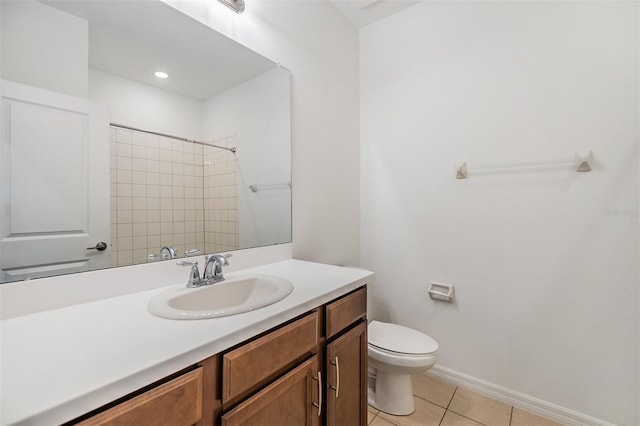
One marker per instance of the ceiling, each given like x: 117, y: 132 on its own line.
x: 364, y: 12
x: 133, y: 39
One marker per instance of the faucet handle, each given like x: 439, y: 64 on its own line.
x: 193, y: 252
x: 194, y: 276
x: 224, y: 257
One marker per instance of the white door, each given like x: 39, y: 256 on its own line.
x: 54, y: 166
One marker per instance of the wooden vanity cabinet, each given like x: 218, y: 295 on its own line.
x: 345, y: 311
x: 252, y: 365
x: 329, y: 388
x: 293, y: 399
x: 309, y: 371
x: 346, y: 360
x: 177, y: 402
x: 211, y: 392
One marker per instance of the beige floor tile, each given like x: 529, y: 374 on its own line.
x: 480, y: 408
x: 426, y: 414
x: 371, y: 414
x: 379, y: 421
x: 453, y: 419
x: 433, y: 389
x: 523, y: 418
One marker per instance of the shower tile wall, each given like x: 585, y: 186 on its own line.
x: 221, y: 196
x: 157, y: 196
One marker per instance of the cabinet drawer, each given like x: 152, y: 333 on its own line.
x: 257, y: 362
x: 175, y: 403
x: 345, y: 311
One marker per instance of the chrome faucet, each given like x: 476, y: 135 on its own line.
x: 213, y: 268
x: 167, y: 252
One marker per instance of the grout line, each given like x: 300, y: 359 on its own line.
x: 448, y: 404
x: 452, y: 395
x: 375, y: 415
x: 462, y: 415
x: 475, y: 421
x: 430, y: 402
x: 442, y: 418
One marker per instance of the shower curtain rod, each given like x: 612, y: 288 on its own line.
x: 122, y: 126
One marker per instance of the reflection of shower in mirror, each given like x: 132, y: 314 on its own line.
x: 170, y: 192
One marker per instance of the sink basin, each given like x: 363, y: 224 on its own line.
x: 234, y: 295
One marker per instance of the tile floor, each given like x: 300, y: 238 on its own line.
x: 441, y: 403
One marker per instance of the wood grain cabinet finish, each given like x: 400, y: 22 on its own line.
x: 175, y: 403
x: 256, y: 363
x: 289, y: 376
x: 289, y: 401
x: 345, y: 311
x: 342, y: 375
x: 211, y: 398
x: 346, y: 362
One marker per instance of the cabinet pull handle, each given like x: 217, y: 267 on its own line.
x: 337, y: 387
x: 319, y: 404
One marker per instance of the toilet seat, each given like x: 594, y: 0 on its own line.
x: 390, y: 352
x: 398, y: 340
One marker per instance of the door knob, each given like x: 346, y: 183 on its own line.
x: 100, y: 246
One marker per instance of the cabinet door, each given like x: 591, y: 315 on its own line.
x: 346, y: 364
x: 289, y: 401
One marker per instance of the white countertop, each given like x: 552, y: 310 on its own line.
x: 62, y: 363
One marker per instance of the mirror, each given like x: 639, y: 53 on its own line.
x: 97, y: 149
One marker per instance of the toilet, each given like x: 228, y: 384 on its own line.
x: 395, y: 353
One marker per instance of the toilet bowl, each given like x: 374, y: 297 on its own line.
x: 395, y: 353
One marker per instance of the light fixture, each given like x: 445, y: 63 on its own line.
x: 235, y: 5
x: 161, y: 74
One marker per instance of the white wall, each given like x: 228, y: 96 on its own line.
x: 320, y: 48
x: 545, y: 260
x: 258, y: 113
x: 44, y: 47
x: 146, y: 107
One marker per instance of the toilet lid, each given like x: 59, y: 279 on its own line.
x: 396, y: 338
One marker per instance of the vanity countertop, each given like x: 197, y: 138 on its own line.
x: 62, y: 363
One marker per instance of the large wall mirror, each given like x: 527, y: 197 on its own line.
x: 106, y: 164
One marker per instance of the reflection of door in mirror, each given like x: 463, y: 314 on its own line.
x: 54, y: 198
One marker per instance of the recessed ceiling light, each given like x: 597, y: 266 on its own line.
x: 161, y: 74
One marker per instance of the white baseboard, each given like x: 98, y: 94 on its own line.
x: 528, y: 403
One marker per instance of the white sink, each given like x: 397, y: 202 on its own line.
x: 234, y: 295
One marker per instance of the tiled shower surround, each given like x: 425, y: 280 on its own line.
x: 167, y: 192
